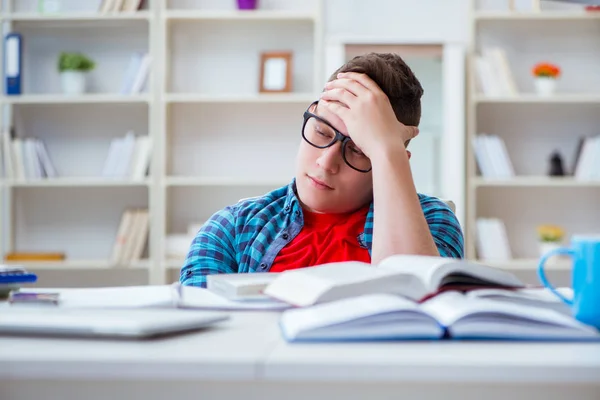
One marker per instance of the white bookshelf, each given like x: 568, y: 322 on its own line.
x: 74, y: 16
x: 201, y: 106
x: 78, y: 212
x: 534, y: 126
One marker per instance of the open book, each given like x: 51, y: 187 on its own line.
x: 448, y: 315
x: 415, y: 277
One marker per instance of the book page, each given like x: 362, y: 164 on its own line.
x: 422, y: 267
x: 451, y: 307
x: 307, y: 286
x: 337, y: 312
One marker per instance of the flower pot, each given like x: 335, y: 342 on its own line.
x: 247, y: 4
x: 546, y: 247
x: 73, y: 82
x: 545, y: 86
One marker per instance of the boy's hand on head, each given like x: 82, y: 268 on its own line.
x: 367, y: 113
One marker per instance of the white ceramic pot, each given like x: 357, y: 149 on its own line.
x: 545, y: 86
x: 546, y: 247
x: 73, y: 82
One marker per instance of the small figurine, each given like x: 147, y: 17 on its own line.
x: 556, y: 165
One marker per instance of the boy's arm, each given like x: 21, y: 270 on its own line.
x: 212, y: 250
x: 399, y: 224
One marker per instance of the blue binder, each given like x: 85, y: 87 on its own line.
x: 13, y: 45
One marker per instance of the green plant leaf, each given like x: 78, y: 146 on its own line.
x: 74, y: 62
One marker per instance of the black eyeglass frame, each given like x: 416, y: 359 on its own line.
x: 339, y: 137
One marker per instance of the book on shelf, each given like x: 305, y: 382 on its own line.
x: 131, y: 237
x: 449, y: 315
x: 25, y: 158
x: 492, y: 240
x: 415, y: 277
x: 106, y: 6
x: 22, y: 256
x: 587, y: 165
x: 136, y: 74
x: 128, y: 157
x: 492, y: 157
x: 493, y: 73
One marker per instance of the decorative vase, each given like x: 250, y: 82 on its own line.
x: 545, y: 86
x: 247, y: 4
x: 73, y: 82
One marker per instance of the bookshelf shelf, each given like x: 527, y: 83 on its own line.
x: 223, y: 181
x: 562, y: 98
x: 226, y: 15
x: 75, y: 17
x: 76, y: 99
x: 302, y: 98
x: 547, y: 15
x: 78, y: 265
x: 76, y: 182
x: 535, y: 182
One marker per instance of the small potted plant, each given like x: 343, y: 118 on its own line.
x: 73, y: 68
x: 545, y: 75
x: 550, y: 237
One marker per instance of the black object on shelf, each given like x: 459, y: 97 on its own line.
x: 556, y: 165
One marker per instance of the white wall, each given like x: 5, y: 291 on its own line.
x: 410, y: 20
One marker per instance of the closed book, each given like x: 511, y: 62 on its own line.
x: 240, y: 286
x: 34, y: 256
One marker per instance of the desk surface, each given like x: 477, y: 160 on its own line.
x: 249, y: 347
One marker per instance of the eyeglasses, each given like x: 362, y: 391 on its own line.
x: 320, y: 134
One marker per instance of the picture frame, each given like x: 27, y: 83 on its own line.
x: 276, y: 72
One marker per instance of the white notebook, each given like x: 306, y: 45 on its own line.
x: 414, y: 277
x: 450, y: 315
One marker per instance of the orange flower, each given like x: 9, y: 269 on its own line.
x: 546, y: 69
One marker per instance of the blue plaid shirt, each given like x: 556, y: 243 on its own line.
x: 247, y: 236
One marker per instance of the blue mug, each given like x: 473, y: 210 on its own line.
x: 585, y: 304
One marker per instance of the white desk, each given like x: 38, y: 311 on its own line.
x: 245, y: 358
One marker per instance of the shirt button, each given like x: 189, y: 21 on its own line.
x: 263, y: 266
x: 189, y: 273
x: 287, y: 208
x: 285, y: 236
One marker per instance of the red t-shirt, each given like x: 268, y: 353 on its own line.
x: 324, y: 238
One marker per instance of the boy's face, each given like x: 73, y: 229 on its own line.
x: 324, y: 181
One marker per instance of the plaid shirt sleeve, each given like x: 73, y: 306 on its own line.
x: 212, y: 250
x: 444, y: 227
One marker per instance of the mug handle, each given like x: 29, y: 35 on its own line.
x: 542, y: 274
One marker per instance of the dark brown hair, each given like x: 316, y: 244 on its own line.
x: 395, y: 78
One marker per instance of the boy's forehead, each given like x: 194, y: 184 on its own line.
x: 330, y: 117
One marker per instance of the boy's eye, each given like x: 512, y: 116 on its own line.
x: 355, y: 150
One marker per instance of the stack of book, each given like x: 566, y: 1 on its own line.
x: 128, y: 157
x: 492, y: 240
x: 587, y: 163
x: 136, y: 74
x: 492, y: 157
x: 407, y: 298
x: 119, y: 5
x: 131, y: 238
x: 493, y: 73
x: 24, y: 159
